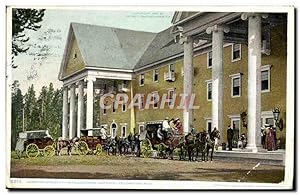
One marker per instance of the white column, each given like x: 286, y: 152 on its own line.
x: 72, y: 130
x: 217, y: 76
x: 65, y: 113
x: 254, y: 80
x: 80, y: 108
x: 187, y: 82
x: 90, y: 102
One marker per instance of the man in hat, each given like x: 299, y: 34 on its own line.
x: 229, y: 137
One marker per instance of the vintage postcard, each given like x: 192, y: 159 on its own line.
x: 152, y: 98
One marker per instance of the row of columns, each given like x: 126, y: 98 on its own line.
x: 69, y: 122
x: 254, y: 78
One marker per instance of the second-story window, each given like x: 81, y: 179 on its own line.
x: 141, y: 101
x: 155, y: 75
x: 209, y: 59
x: 236, y: 52
x: 236, y: 86
x: 155, y: 97
x: 123, y: 106
x: 142, y: 79
x: 265, y: 83
x: 209, y: 90
x: 171, y: 97
x: 114, y: 106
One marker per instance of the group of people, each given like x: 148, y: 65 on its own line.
x: 173, y: 125
x: 242, y: 142
x: 268, y: 138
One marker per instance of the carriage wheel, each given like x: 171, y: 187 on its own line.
x: 32, y: 151
x: 146, y: 148
x: 82, y: 148
x: 99, y: 150
x: 49, y: 151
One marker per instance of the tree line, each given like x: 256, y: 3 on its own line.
x: 40, y: 112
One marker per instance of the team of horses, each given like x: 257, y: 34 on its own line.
x: 112, y: 146
x: 192, y: 145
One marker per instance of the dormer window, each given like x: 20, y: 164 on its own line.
x: 75, y: 55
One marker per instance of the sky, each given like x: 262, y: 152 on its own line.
x: 40, y: 64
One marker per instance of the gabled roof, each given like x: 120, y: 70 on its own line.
x: 179, y: 16
x: 162, y: 47
x: 108, y: 47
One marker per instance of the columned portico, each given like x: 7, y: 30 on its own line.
x: 217, y: 32
x: 80, y: 109
x: 188, y: 82
x: 90, y: 102
x: 72, y: 132
x: 65, y: 113
x: 254, y: 80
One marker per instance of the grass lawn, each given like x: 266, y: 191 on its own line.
x: 121, y: 167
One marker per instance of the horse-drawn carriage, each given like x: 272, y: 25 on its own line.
x: 157, y: 140
x: 90, y: 141
x: 35, y: 143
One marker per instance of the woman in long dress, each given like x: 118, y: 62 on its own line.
x: 270, y: 139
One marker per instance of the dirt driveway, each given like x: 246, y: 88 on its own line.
x: 114, y: 167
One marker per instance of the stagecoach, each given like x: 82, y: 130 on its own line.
x: 90, y: 142
x: 35, y: 143
x: 150, y: 142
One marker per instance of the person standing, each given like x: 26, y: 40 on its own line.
x: 229, y: 137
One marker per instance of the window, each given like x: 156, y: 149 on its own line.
x: 104, y: 109
x: 172, y: 67
x: 113, y: 129
x: 267, y: 117
x: 114, y: 106
x: 141, y: 128
x: 142, y: 101
x: 236, y: 52
x: 155, y: 75
x: 75, y: 55
x: 208, y: 125
x: 142, y: 79
x: 265, y: 82
x: 209, y: 90
x: 123, y: 131
x: 171, y: 97
x: 209, y: 59
x: 235, y: 85
x: 124, y: 106
x: 155, y: 97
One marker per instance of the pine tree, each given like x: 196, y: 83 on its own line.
x: 16, y: 113
x: 24, y: 19
x: 31, y: 110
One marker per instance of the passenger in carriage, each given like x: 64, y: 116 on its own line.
x: 178, y: 126
x: 103, y: 133
x: 160, y: 134
x: 165, y: 124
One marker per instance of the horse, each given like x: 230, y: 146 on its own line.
x: 200, y: 144
x: 210, y: 144
x: 190, y: 145
x: 123, y: 146
x: 111, y: 146
x: 69, y: 144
